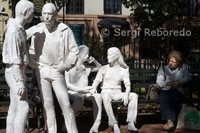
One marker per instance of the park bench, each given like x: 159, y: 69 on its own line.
x: 141, y: 79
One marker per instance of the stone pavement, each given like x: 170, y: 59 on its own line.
x: 147, y: 128
x: 145, y: 124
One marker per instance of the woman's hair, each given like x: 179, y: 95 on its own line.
x: 120, y: 57
x: 23, y: 6
x: 177, y: 55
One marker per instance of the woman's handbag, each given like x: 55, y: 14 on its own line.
x: 154, y: 89
x: 153, y: 92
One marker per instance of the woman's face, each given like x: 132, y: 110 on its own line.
x: 173, y: 64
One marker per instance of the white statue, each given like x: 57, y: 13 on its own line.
x: 111, y: 76
x: 53, y: 50
x: 77, y: 83
x: 16, y: 58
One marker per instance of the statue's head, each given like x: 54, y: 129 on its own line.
x: 115, y: 55
x: 25, y: 9
x: 49, y: 13
x: 83, y: 52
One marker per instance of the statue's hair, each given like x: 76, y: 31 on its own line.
x: 52, y: 5
x: 83, y: 48
x: 23, y: 6
x: 120, y: 57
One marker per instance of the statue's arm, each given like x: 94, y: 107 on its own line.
x: 98, y: 79
x: 127, y: 84
x: 97, y: 64
x: 71, y: 52
x: 14, y: 48
x: 70, y: 86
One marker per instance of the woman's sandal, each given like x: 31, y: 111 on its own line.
x: 169, y: 126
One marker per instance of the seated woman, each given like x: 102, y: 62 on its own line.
x: 78, y: 89
x: 111, y: 76
x: 171, y: 79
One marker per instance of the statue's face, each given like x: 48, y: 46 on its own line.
x: 84, y: 55
x: 29, y: 16
x: 48, y: 14
x: 111, y: 56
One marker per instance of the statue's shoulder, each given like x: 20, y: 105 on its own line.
x: 104, y: 67
x: 62, y: 27
x: 40, y: 26
x: 12, y: 26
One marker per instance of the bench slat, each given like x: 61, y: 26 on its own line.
x: 142, y: 78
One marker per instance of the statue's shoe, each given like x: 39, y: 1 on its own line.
x: 95, y: 127
x: 116, y: 128
x: 131, y: 127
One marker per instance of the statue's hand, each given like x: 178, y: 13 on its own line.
x: 92, y: 91
x: 91, y: 59
x: 21, y: 90
x: 87, y: 89
x: 125, y: 100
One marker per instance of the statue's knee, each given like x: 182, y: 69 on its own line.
x: 66, y: 106
x: 98, y: 97
x: 24, y: 107
x: 133, y: 96
x: 48, y: 105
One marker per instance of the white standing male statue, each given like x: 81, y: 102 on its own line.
x: 16, y: 58
x: 77, y: 83
x: 111, y: 76
x: 53, y: 50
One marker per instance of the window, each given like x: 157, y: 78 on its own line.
x: 191, y: 8
x: 112, y: 7
x: 75, y: 7
x: 78, y: 31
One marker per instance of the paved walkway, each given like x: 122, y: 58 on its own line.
x: 147, y: 128
x: 145, y: 124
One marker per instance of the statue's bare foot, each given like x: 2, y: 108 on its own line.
x: 131, y: 127
x: 95, y: 127
x: 116, y: 128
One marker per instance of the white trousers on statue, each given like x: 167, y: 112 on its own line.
x: 109, y: 95
x: 51, y: 78
x: 18, y: 108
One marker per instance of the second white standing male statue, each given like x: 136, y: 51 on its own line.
x: 53, y: 50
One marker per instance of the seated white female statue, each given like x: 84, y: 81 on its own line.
x: 78, y: 89
x: 111, y: 76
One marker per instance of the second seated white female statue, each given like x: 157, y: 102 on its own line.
x: 78, y: 89
x: 111, y: 76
